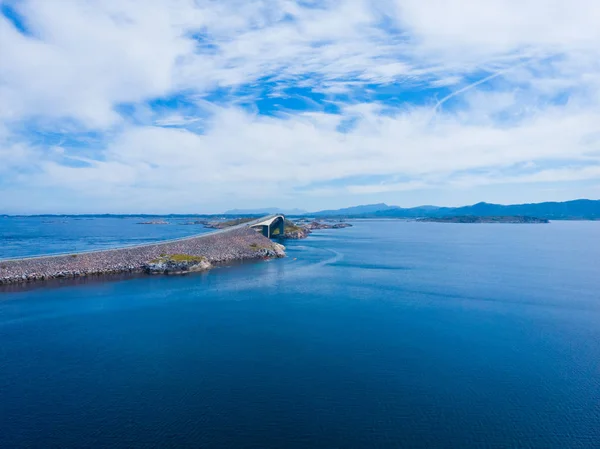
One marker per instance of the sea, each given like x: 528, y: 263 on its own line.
x: 388, y: 334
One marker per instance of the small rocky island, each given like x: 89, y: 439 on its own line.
x: 476, y: 219
x: 301, y: 229
x: 194, y: 222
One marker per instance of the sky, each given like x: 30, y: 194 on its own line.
x: 183, y: 106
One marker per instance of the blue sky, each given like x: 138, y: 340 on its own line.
x: 202, y: 106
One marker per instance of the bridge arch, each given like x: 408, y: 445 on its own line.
x: 269, y: 224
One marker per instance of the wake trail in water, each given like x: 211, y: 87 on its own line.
x: 305, y: 264
x: 337, y: 257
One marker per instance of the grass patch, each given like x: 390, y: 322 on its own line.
x: 289, y: 226
x: 179, y: 258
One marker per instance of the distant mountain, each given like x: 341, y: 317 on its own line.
x: 568, y: 210
x: 265, y: 211
x: 356, y: 210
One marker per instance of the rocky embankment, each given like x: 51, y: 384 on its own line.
x: 177, y: 263
x: 301, y: 230
x: 179, y: 256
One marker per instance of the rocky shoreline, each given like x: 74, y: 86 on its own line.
x: 301, y: 230
x: 178, y: 256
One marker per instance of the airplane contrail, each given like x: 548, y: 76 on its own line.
x: 472, y: 85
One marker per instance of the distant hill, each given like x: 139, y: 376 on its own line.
x: 474, y: 219
x: 356, y: 210
x: 582, y: 209
x: 568, y: 210
x: 265, y: 211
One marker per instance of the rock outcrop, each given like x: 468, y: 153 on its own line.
x: 296, y: 233
x: 302, y: 230
x: 322, y: 225
x: 176, y: 264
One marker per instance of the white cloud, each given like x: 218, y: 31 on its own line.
x: 84, y: 58
x: 472, y: 29
x: 241, y: 153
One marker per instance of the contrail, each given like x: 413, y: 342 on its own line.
x: 472, y: 85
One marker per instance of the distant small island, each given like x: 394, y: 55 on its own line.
x: 301, y: 229
x: 475, y: 219
x: 195, y: 222
x: 228, y: 223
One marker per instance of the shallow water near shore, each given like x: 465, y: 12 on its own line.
x: 386, y: 334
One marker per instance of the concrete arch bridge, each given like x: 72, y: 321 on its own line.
x: 267, y: 225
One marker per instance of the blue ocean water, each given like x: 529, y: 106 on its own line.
x: 30, y: 236
x: 387, y: 334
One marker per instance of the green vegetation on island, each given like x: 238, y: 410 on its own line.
x: 301, y: 230
x: 179, y: 258
x: 289, y: 227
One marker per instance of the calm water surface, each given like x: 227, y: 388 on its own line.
x: 31, y: 236
x: 387, y: 334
